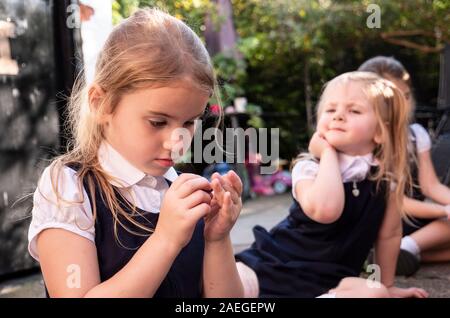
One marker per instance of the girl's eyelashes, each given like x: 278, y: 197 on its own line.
x: 353, y: 111
x: 189, y: 123
x: 157, y: 123
x: 162, y: 123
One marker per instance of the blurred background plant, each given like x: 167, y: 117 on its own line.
x: 286, y: 50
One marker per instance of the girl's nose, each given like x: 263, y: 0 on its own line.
x: 338, y: 115
x: 168, y: 144
x: 178, y: 141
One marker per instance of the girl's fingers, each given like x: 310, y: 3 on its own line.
x: 182, y: 178
x: 214, y: 205
x: 200, y: 211
x: 217, y: 188
x: 226, y: 201
x: 198, y: 197
x: 235, y: 181
x: 192, y: 185
x: 416, y: 292
x: 418, y: 295
x: 228, y: 187
x: 422, y: 293
x: 230, y: 181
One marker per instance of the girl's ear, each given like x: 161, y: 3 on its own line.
x: 95, y: 96
x: 378, y: 137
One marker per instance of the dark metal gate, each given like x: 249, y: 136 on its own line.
x: 36, y: 65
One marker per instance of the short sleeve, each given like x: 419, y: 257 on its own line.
x: 304, y: 170
x: 423, y: 140
x: 71, y: 211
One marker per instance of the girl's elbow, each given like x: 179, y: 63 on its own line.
x: 392, y: 235
x: 327, y: 213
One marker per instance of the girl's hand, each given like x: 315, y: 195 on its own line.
x: 413, y: 292
x: 226, y: 206
x: 447, y: 211
x: 185, y: 202
x: 318, y: 144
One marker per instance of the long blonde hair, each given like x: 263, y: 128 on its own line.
x: 149, y: 49
x: 390, y: 68
x: 392, y: 113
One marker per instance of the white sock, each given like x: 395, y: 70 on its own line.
x: 410, y: 245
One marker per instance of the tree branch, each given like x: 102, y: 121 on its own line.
x: 391, y: 37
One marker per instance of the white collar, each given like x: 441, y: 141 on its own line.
x: 346, y: 161
x: 113, y: 163
x: 355, y: 168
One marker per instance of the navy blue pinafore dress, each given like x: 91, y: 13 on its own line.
x: 300, y: 257
x: 184, y: 279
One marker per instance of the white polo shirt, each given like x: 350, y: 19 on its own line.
x: 75, y: 215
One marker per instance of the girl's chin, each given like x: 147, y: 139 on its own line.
x: 156, y: 171
x: 340, y: 146
x: 335, y: 142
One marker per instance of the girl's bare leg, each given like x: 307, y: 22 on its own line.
x: 439, y: 254
x: 434, y: 241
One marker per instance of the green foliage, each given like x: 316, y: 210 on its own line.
x: 231, y: 73
x: 278, y: 38
x: 192, y: 12
x: 122, y: 9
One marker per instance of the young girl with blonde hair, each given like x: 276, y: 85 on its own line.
x: 347, y: 196
x: 111, y: 218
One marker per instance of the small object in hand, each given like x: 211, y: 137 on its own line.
x: 209, y: 192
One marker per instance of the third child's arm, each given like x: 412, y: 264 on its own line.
x: 423, y: 209
x: 429, y: 182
